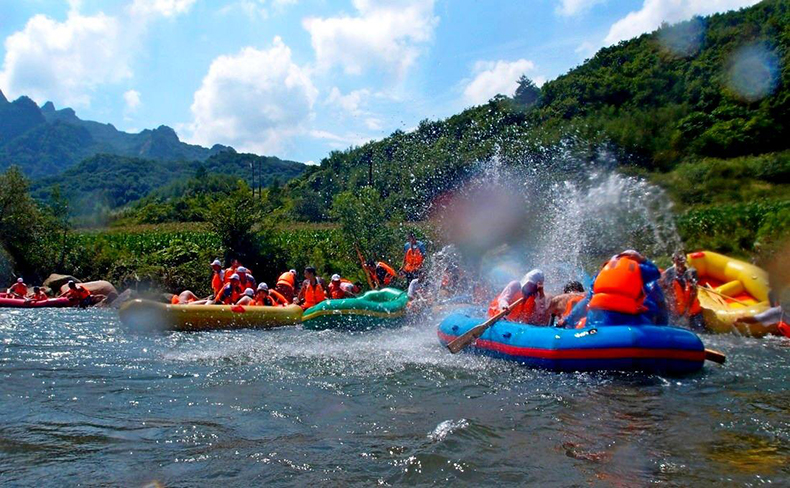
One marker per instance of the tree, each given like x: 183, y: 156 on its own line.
x: 363, y: 220
x: 527, y: 93
x: 20, y: 223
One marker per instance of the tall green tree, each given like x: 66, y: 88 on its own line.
x: 20, y: 223
x: 527, y: 93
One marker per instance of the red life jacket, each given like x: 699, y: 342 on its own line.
x: 784, y: 328
x: 414, y: 259
x: 19, y: 289
x: 619, y: 288
x: 389, y: 273
x: 684, y: 305
x: 313, y: 294
x: 40, y: 296
x: 216, y: 282
x: 571, y: 303
x: 523, y: 312
x: 231, y: 299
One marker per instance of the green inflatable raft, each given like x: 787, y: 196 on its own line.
x: 376, y: 308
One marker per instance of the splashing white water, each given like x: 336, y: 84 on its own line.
x: 446, y: 428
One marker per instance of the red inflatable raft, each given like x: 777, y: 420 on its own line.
x: 20, y: 303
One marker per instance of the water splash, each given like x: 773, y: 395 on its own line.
x: 446, y: 428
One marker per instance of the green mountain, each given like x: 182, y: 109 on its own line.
x: 666, y: 104
x: 105, y: 182
x: 44, y: 141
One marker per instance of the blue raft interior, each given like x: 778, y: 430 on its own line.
x: 645, y: 348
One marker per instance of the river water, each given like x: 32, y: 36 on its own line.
x: 84, y: 401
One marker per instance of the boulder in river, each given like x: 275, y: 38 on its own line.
x: 56, y: 281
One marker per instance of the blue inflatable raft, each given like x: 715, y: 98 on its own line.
x: 645, y: 348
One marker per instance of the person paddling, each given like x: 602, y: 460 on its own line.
x: 230, y: 293
x: 679, y: 284
x: 38, y: 294
x: 268, y: 298
x: 529, y: 310
x: 413, y: 259
x: 311, y: 292
x: 341, y: 288
x: 380, y: 273
x: 18, y: 289
x: 286, y: 285
x: 247, y: 298
x: 77, y: 294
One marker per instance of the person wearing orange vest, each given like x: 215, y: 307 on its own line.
x: 247, y: 298
x: 234, y: 266
x: 312, y: 292
x: 560, y: 306
x: 380, y: 273
x: 77, y: 295
x: 230, y: 293
x: 217, y: 276
x: 246, y: 280
x: 773, y: 317
x: 286, y: 285
x: 18, y: 289
x: 413, y: 259
x: 679, y: 283
x: 625, y: 292
x: 340, y: 288
x: 268, y: 298
x: 38, y: 294
x: 528, y: 311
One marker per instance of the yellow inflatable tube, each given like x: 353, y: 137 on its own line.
x: 730, y: 289
x: 147, y: 314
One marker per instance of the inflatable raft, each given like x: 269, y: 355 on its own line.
x: 20, y: 303
x: 145, y: 314
x: 376, y: 308
x: 730, y: 289
x: 646, y: 348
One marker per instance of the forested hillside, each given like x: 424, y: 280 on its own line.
x: 700, y: 107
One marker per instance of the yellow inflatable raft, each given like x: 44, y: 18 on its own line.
x: 728, y: 290
x: 146, y: 314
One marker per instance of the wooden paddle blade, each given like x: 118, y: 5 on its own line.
x: 462, y: 341
x: 715, y: 356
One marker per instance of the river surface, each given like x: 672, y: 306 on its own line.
x: 84, y: 401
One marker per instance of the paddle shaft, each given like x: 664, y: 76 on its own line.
x: 715, y: 356
x: 364, y: 269
x: 462, y: 341
x: 724, y: 296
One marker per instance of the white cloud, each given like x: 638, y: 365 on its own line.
x: 569, y: 8
x: 165, y: 8
x: 65, y: 61
x: 496, y: 77
x: 350, y: 103
x: 254, y: 100
x: 132, y: 100
x: 654, y: 12
x: 373, y: 123
x: 389, y: 34
x: 338, y: 141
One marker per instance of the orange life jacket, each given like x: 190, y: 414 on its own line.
x: 174, y: 300
x: 216, y: 282
x: 40, y: 296
x: 337, y: 292
x: 390, y: 273
x: 313, y: 294
x: 287, y: 278
x: 19, y: 289
x: 571, y: 303
x: 414, y: 259
x: 784, y: 328
x: 523, y: 312
x: 619, y: 288
x: 272, y: 299
x: 235, y: 294
x: 684, y: 305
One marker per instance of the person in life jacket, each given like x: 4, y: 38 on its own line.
x: 413, y: 259
x: 247, y: 298
x: 625, y: 292
x: 528, y: 311
x: 230, y: 293
x: 77, y: 294
x: 311, y: 292
x: 340, y: 288
x: 560, y: 306
x: 265, y: 297
x: 679, y: 283
x: 246, y: 280
x: 217, y: 276
x: 234, y: 266
x: 38, y: 294
x: 286, y: 285
x: 772, y: 319
x: 380, y: 273
x: 18, y: 289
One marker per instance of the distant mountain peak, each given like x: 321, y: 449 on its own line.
x: 166, y: 132
x: 48, y: 107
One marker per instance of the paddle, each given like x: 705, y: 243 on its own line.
x: 715, y: 356
x: 461, y: 342
x: 362, y: 262
x: 711, y: 290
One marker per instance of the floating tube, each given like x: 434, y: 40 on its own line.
x: 146, y: 314
x: 20, y: 303
x: 739, y: 289
x: 376, y: 308
x: 650, y: 349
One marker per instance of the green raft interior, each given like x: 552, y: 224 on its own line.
x: 376, y: 308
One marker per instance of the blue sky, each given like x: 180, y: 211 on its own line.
x: 300, y: 78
